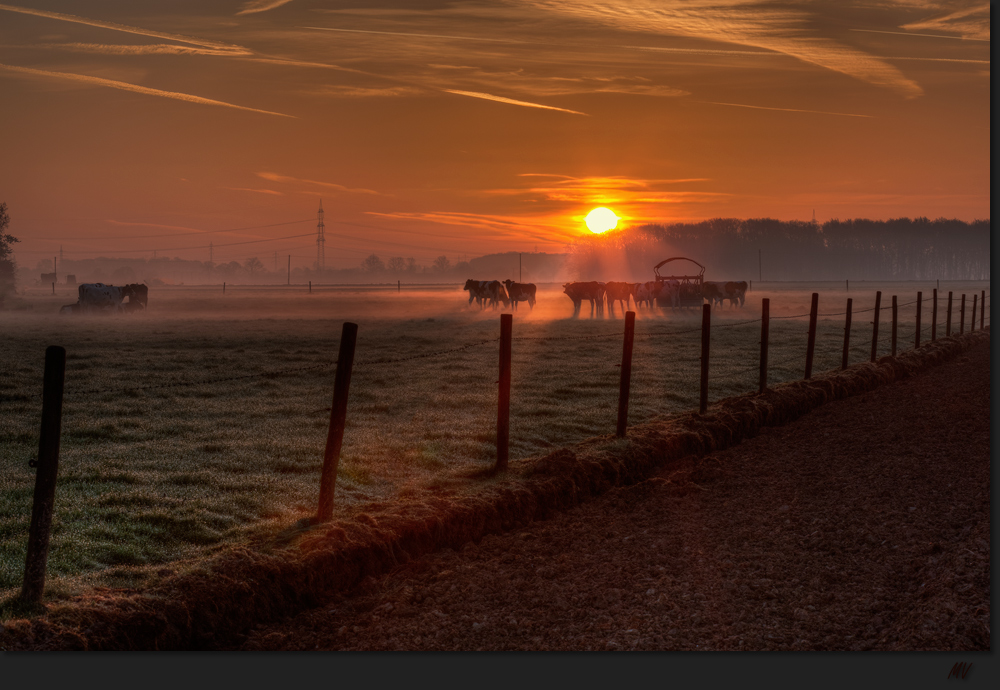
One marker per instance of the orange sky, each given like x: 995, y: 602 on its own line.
x: 434, y: 127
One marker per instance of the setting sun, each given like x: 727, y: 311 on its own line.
x: 601, y: 220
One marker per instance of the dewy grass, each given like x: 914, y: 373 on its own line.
x: 151, y: 471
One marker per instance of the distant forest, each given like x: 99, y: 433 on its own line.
x: 768, y: 249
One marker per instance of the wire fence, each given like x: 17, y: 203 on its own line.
x: 413, y: 403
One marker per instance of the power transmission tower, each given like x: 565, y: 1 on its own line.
x: 320, y: 241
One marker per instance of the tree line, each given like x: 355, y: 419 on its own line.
x: 768, y: 249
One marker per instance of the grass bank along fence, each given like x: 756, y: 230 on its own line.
x: 719, y: 360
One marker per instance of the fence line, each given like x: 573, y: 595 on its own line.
x: 738, y: 370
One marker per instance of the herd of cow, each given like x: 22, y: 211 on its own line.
x: 493, y: 293
x: 647, y: 295
x: 98, y: 297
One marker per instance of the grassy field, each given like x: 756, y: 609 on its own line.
x: 167, y: 455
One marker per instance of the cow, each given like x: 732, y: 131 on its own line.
x: 590, y: 290
x: 617, y: 292
x: 138, y: 296
x: 497, y: 293
x: 718, y: 292
x: 520, y: 292
x: 713, y: 291
x: 477, y: 291
x: 736, y: 292
x: 100, y: 297
x: 670, y: 291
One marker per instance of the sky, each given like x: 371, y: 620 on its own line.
x: 462, y: 128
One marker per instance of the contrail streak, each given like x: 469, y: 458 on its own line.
x: 786, y: 110
x: 261, y: 6
x: 403, y: 33
x: 908, y: 33
x: 501, y: 99
x: 125, y: 86
x: 233, y: 49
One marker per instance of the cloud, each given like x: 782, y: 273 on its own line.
x: 229, y: 48
x: 778, y: 29
x: 631, y: 198
x: 274, y: 177
x: 125, y: 86
x: 511, y: 101
x: 500, y: 225
x: 258, y: 191
x: 368, y: 92
x: 414, y: 35
x: 973, y: 23
x: 786, y: 110
x: 151, y: 49
x: 255, y: 6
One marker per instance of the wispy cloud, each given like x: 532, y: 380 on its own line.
x: 257, y: 191
x: 125, y: 86
x: 274, y: 177
x: 785, y: 110
x: 777, y: 29
x: 501, y: 226
x: 367, y: 92
x: 255, y: 6
x: 151, y: 49
x: 511, y: 101
x: 630, y: 194
x: 414, y: 35
x: 911, y: 33
x: 973, y: 23
x: 231, y: 49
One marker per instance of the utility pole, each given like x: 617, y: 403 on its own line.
x: 760, y: 271
x: 520, y: 277
x: 320, y: 240
x: 55, y: 269
x: 289, y: 269
x: 211, y: 251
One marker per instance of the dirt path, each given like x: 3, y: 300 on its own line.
x: 863, y: 525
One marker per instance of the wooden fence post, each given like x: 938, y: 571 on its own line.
x: 47, y: 466
x: 847, y: 334
x: 223, y: 287
x: 878, y: 313
x: 811, y: 345
x: 706, y: 325
x: 626, y: 374
x: 920, y: 303
x: 961, y: 316
x: 765, y: 327
x: 310, y: 287
x: 947, y: 327
x: 972, y: 324
x: 399, y: 286
x: 934, y: 316
x: 895, y: 324
x: 982, y: 310
x: 338, y: 418
x: 503, y: 399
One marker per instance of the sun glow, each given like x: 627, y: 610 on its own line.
x: 601, y: 220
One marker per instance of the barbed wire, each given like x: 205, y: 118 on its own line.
x: 178, y: 384
x: 426, y: 355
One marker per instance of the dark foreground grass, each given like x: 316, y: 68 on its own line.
x: 217, y: 600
